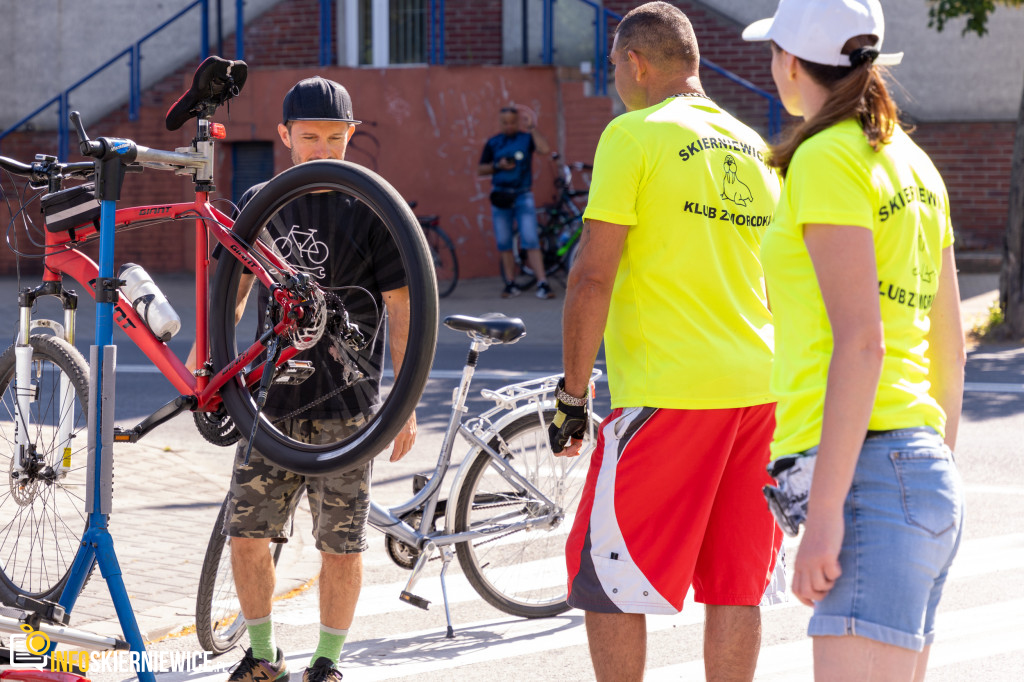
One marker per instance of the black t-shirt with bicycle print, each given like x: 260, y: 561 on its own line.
x: 347, y: 250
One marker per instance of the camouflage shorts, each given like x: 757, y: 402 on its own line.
x: 263, y: 496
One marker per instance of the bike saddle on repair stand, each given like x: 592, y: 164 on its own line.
x: 215, y: 81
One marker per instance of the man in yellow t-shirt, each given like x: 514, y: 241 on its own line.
x: 669, y: 273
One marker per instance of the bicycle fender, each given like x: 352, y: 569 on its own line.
x: 467, y: 461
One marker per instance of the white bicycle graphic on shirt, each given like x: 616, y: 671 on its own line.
x: 305, y: 245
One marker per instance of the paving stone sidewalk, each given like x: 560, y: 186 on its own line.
x: 169, y: 487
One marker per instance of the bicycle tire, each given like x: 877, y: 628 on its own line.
x: 521, y: 573
x: 219, y: 620
x: 446, y: 264
x: 380, y: 429
x: 38, y: 520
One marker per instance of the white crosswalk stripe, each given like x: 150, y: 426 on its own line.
x: 964, y: 635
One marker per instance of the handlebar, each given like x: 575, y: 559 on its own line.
x: 45, y: 168
x: 16, y: 167
x: 198, y: 161
x: 86, y: 146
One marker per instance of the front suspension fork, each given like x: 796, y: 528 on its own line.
x: 25, y: 388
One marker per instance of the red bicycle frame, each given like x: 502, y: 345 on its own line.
x: 62, y: 258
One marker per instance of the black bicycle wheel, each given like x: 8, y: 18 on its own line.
x: 446, y: 265
x: 219, y: 620
x: 42, y: 512
x: 385, y: 405
x: 521, y: 572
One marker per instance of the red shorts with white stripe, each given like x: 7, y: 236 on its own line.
x: 673, y: 498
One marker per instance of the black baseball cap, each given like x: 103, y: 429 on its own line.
x: 318, y: 99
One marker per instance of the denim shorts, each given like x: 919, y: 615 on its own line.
x: 903, y: 516
x: 524, y: 214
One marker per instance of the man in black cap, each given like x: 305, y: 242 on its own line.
x: 354, y: 256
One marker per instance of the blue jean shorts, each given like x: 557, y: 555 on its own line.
x: 524, y: 214
x: 903, y: 519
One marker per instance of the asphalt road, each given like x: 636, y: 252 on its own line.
x: 981, y: 629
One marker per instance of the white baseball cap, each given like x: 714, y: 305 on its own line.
x: 817, y: 30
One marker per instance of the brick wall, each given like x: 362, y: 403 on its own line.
x: 718, y: 38
x: 975, y: 161
x: 167, y: 246
x: 288, y: 34
x: 979, y: 191
x: 584, y: 117
x: 472, y: 32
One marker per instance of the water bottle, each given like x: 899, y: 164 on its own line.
x: 149, y: 302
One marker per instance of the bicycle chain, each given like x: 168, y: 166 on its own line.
x: 311, y: 405
x: 492, y: 538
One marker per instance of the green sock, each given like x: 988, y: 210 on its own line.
x: 330, y: 644
x: 261, y: 638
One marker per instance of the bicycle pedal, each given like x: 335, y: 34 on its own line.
x: 410, y: 598
x: 125, y: 435
x: 294, y: 372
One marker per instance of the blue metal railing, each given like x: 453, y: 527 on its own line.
x: 326, y: 26
x: 240, y: 29
x: 134, y: 54
x: 601, y: 18
x: 435, y: 32
x: 436, y: 52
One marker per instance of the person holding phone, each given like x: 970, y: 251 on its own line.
x: 508, y: 159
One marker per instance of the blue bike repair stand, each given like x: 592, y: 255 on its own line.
x: 97, y: 544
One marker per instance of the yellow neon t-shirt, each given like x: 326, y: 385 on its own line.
x: 836, y: 178
x: 688, y: 324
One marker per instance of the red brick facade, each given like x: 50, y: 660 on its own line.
x: 288, y: 36
x: 974, y: 158
x: 472, y: 32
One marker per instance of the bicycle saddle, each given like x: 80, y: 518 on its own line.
x: 215, y: 81
x: 500, y: 328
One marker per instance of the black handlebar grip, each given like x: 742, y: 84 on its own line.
x: 86, y: 146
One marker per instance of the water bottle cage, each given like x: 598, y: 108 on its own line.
x: 145, y: 300
x: 141, y: 305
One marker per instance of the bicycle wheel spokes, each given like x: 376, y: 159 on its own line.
x: 219, y: 620
x: 226, y: 612
x: 521, y: 570
x: 446, y: 265
x: 42, y: 508
x: 371, y: 306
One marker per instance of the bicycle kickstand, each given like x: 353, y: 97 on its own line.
x: 409, y: 598
x: 446, y: 558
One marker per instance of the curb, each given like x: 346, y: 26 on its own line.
x: 979, y: 261
x: 297, y: 570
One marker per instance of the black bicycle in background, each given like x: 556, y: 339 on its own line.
x: 442, y: 252
x: 559, y: 225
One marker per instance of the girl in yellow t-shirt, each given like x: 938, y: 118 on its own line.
x: 869, y: 348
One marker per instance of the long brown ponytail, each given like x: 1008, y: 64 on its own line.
x: 854, y: 91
